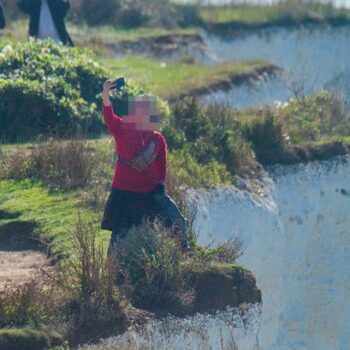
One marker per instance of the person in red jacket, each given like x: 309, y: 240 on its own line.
x: 138, y: 185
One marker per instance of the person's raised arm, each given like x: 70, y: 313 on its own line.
x: 112, y: 121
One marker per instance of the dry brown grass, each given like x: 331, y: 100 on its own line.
x: 58, y: 164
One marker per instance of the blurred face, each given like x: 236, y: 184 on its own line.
x: 143, y: 113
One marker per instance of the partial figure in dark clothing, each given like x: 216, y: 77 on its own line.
x: 47, y: 19
x: 2, y: 18
x: 138, y: 189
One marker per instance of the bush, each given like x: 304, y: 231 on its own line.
x: 25, y: 305
x: 313, y: 117
x: 264, y: 132
x: 151, y: 261
x: 209, y: 136
x: 135, y: 13
x: 184, y: 169
x: 48, y: 88
x: 58, y: 164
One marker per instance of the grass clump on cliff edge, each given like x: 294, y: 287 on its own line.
x: 233, y: 142
x: 307, y: 128
x: 160, y: 275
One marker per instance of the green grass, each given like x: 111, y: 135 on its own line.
x: 55, y: 213
x: 171, y: 79
x: 257, y: 15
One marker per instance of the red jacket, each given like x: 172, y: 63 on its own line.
x: 129, y: 142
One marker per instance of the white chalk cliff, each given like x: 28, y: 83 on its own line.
x: 297, y: 243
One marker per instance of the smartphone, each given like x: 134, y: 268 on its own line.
x: 119, y: 83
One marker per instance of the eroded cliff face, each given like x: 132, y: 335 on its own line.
x: 296, y: 239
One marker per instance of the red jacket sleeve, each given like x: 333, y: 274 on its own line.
x: 112, y: 120
x: 162, y: 159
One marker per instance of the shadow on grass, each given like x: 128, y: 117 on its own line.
x: 19, y: 235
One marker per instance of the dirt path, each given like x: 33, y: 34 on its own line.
x: 17, y: 268
x: 21, y: 255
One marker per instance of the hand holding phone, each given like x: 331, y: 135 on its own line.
x: 119, y: 83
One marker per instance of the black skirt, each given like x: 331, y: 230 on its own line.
x: 124, y: 209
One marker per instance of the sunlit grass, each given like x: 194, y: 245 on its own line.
x: 55, y: 212
x: 169, y: 79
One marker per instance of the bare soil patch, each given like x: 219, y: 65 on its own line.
x: 22, y: 255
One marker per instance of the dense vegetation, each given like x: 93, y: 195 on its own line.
x: 45, y: 88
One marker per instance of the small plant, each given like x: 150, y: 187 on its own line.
x: 264, y: 132
x: 28, y: 304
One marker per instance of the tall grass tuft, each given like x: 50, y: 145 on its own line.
x: 58, y: 164
x: 151, y: 260
x: 90, y: 278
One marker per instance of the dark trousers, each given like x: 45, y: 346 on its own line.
x: 126, y: 209
x: 2, y: 19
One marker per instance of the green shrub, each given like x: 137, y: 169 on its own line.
x: 48, y: 88
x: 29, y: 109
x: 31, y: 304
x: 208, y: 137
x: 151, y: 261
x: 265, y: 133
x: 266, y: 137
x: 313, y: 117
